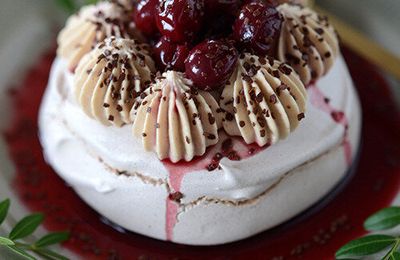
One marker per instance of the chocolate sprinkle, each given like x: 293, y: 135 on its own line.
x: 211, y: 119
x: 175, y: 196
x: 285, y: 69
x: 273, y: 99
x: 229, y: 116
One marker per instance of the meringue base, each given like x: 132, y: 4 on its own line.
x: 112, y: 173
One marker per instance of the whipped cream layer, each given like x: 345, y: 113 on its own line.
x: 112, y: 172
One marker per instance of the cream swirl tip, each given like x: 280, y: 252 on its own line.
x: 91, y: 25
x: 175, y: 120
x: 111, y: 77
x: 307, y: 42
x: 263, y: 101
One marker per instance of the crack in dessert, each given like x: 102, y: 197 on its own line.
x: 144, y: 178
x: 253, y: 200
x: 202, y: 103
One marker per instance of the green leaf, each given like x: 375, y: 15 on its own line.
x: 4, y: 206
x: 52, y: 238
x: 88, y: 2
x: 21, y: 252
x: 26, y: 226
x: 365, y: 246
x: 392, y: 254
x: 384, y: 219
x: 48, y: 254
x: 395, y: 256
x: 68, y: 5
x: 6, y: 242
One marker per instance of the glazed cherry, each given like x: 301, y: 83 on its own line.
x: 143, y: 16
x: 257, y: 28
x: 170, y: 55
x: 180, y: 20
x: 211, y: 63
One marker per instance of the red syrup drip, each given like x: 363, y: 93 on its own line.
x: 227, y: 147
x: 321, y: 102
x: 375, y: 184
x: 241, y: 150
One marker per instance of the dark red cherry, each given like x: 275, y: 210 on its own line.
x: 257, y: 28
x: 180, y: 20
x: 144, y: 16
x: 269, y: 2
x: 220, y: 16
x: 220, y: 26
x: 170, y: 55
x: 211, y: 63
x: 222, y: 6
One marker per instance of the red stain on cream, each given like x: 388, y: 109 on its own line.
x: 233, y: 149
x: 319, y: 100
x: 177, y: 172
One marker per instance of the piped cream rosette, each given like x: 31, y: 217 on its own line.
x: 264, y: 100
x: 307, y: 42
x: 90, y: 26
x: 175, y: 120
x: 111, y: 77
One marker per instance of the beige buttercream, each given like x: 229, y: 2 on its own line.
x: 91, y: 25
x: 127, y: 4
x: 110, y: 77
x: 264, y: 100
x: 307, y: 42
x: 175, y: 120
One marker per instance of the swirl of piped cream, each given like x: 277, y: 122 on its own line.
x: 110, y: 78
x: 175, y: 120
x: 263, y: 101
x: 307, y: 42
x: 91, y: 25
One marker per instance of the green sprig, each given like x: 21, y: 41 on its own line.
x: 4, y: 206
x: 72, y: 6
x: 68, y: 5
x: 26, y: 227
x: 384, y: 219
